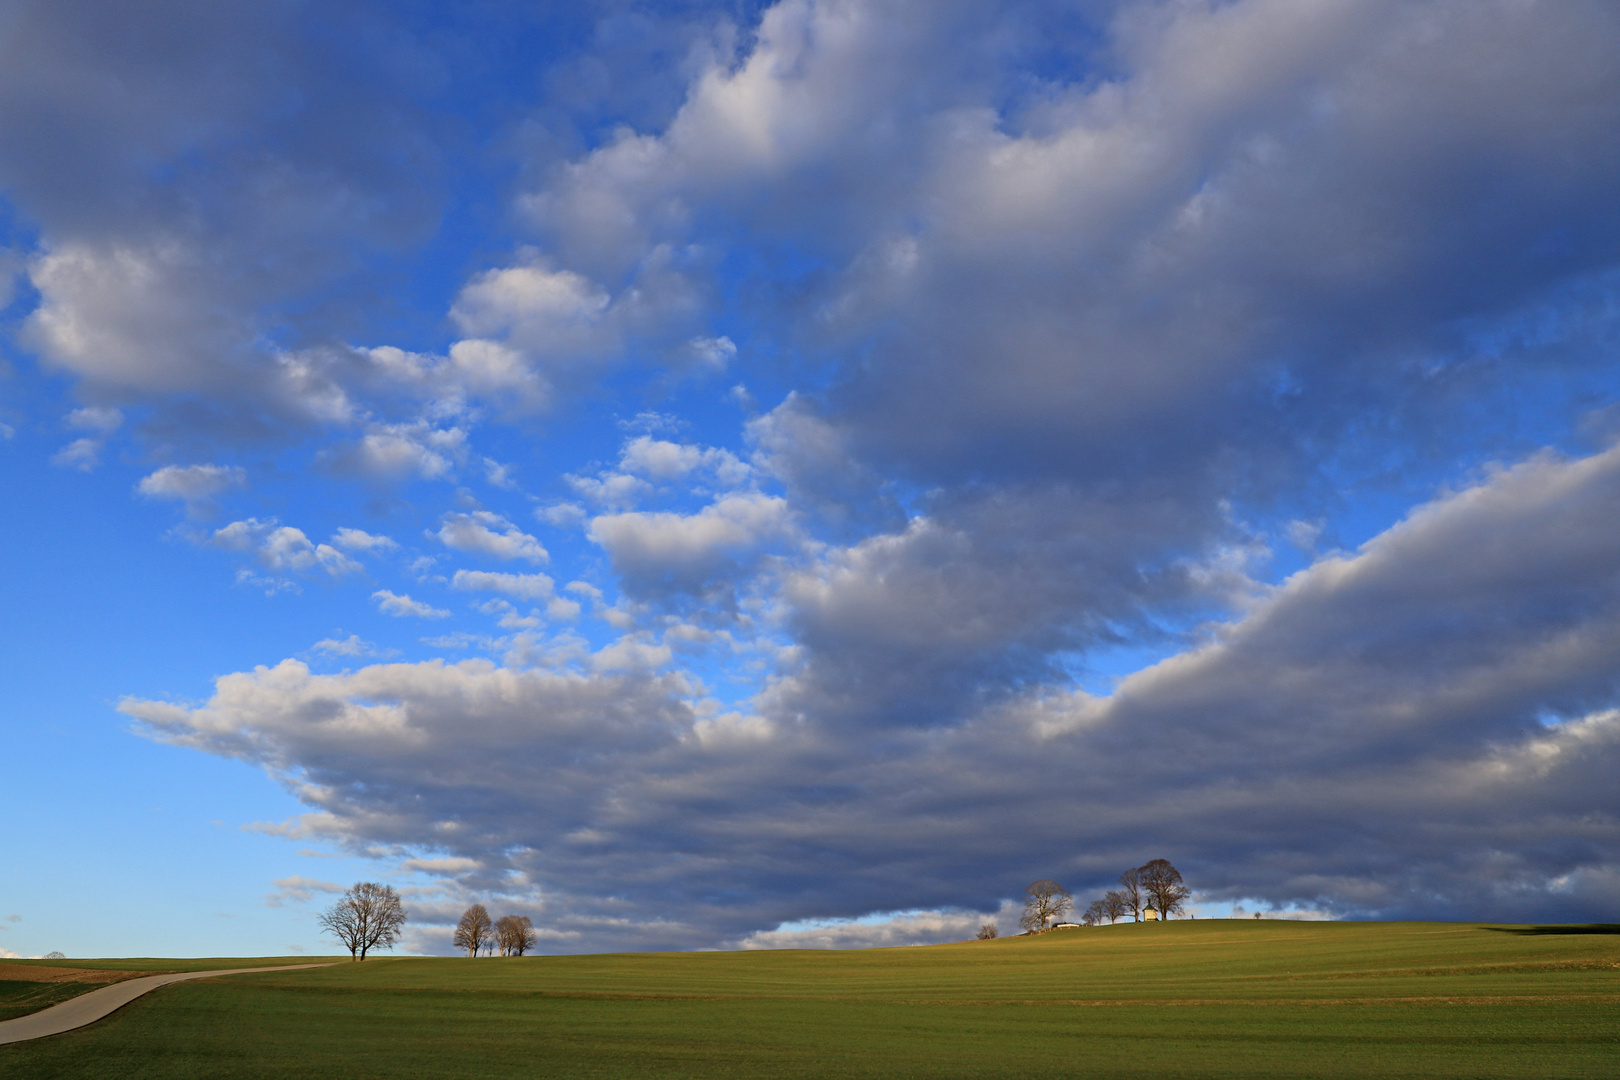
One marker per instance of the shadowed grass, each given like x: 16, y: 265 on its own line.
x: 1193, y: 999
x: 19, y: 997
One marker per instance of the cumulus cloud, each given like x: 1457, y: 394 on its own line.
x: 668, y: 552
x: 523, y: 586
x: 283, y: 549
x: 353, y: 646
x: 402, y: 606
x: 96, y: 418
x: 359, y: 540
x: 195, y: 485
x: 659, y: 459
x: 81, y: 454
x: 484, y: 532
x: 395, y: 451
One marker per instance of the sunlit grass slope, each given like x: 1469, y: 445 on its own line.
x: 1186, y: 999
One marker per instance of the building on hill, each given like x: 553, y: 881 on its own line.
x: 1150, y: 914
x: 1066, y: 926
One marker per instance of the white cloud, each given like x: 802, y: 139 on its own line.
x: 562, y: 515
x: 353, y: 646
x: 536, y: 309
x: 284, y: 549
x: 900, y: 928
x: 508, y: 617
x: 399, y: 450
x: 360, y: 540
x: 81, y: 454
x: 610, y: 488
x: 100, y: 419
x: 659, y: 459
x: 498, y: 475
x: 712, y: 353
x: 633, y: 652
x: 191, y: 483
x: 523, y: 586
x: 485, y: 533
x: 126, y: 315
x: 299, y: 890
x: 400, y: 606
x: 653, y: 551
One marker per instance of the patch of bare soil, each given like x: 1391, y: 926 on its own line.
x: 41, y: 973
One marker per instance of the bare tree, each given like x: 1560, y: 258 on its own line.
x: 473, y: 931
x: 1131, y: 891
x: 1115, y: 905
x: 370, y: 916
x: 1162, y: 882
x: 1095, y: 913
x: 516, y: 935
x: 987, y: 931
x: 1044, y: 900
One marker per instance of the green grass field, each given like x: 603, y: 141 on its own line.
x: 1184, y: 999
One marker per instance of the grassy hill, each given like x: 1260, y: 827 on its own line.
x: 1184, y: 999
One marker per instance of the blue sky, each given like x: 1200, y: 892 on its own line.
x: 716, y: 475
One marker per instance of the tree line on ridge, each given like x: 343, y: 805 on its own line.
x: 1155, y: 885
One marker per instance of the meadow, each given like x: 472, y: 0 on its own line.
x: 1208, y: 998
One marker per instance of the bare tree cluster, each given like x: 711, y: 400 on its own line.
x: 474, y: 930
x: 988, y: 931
x: 1045, y: 901
x: 513, y: 935
x: 370, y: 916
x: 1155, y: 884
x: 1111, y: 907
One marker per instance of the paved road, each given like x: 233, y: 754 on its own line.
x: 88, y: 1008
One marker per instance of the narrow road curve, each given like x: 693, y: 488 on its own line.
x: 88, y: 1008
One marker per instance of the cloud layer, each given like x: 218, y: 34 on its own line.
x: 966, y: 442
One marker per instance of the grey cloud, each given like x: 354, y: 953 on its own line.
x: 1052, y: 334
x: 1258, y: 223
x: 995, y: 589
x: 1244, y: 240
x: 1422, y: 727
x: 173, y: 252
